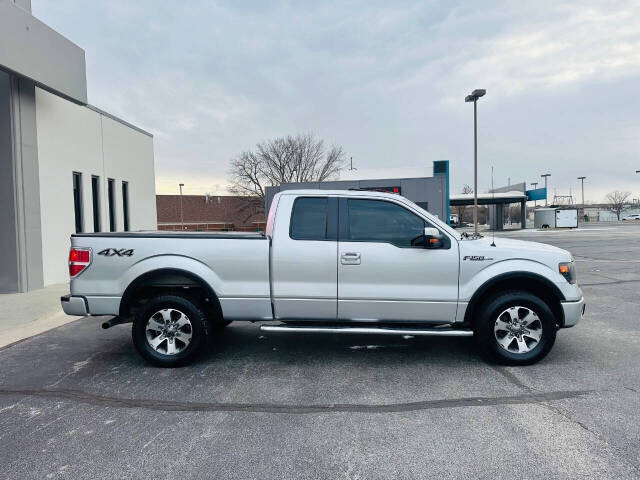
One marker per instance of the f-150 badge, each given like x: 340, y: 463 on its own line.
x: 476, y: 258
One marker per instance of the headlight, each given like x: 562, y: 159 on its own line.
x: 568, y: 271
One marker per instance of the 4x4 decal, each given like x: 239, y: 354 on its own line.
x: 112, y: 252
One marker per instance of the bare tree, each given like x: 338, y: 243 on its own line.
x: 461, y: 209
x: 617, y: 201
x: 302, y: 158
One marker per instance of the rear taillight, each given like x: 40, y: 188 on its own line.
x: 79, y: 259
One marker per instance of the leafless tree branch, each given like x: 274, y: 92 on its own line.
x: 302, y: 158
x: 617, y: 200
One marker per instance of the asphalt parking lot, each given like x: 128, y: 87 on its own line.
x: 78, y: 402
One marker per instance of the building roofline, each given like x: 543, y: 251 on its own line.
x: 119, y: 120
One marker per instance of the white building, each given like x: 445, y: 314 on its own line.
x: 65, y: 166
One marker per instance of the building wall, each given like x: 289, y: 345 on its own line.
x: 75, y: 138
x: 20, y: 240
x: 33, y: 50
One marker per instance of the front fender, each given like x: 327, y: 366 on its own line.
x: 473, y: 278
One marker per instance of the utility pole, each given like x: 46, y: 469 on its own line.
x: 351, y: 164
x: 535, y: 202
x: 582, y: 181
x: 181, y: 211
x: 546, y: 195
x: 475, y: 95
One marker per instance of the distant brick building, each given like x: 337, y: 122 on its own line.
x: 210, y: 213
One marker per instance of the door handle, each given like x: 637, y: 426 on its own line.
x: 350, y: 258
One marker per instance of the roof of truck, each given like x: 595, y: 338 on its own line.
x: 355, y: 193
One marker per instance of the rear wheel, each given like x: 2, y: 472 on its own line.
x: 515, y: 328
x: 170, y: 331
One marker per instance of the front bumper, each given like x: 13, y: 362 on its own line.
x: 74, y: 305
x: 573, y: 312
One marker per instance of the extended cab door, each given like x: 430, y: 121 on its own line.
x: 384, y: 271
x: 303, y: 258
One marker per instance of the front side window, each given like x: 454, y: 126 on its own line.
x: 380, y: 221
x: 309, y: 219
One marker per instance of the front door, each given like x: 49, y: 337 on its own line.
x: 384, y: 271
x: 303, y: 263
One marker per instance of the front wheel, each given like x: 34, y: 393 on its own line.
x: 516, y: 328
x: 170, y: 331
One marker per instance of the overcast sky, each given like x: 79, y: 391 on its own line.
x: 385, y: 80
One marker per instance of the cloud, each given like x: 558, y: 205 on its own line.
x: 384, y: 80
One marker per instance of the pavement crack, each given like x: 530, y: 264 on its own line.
x: 616, y: 282
x: 583, y: 426
x: 176, y: 406
x: 512, y: 378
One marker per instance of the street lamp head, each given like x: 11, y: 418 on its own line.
x: 545, y: 175
x: 181, y: 184
x: 475, y: 95
x: 581, y: 178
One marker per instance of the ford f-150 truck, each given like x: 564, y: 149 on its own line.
x: 328, y: 261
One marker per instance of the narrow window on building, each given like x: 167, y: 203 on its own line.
x: 77, y: 200
x: 111, y: 193
x: 125, y: 205
x: 95, y: 192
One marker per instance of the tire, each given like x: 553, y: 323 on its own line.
x: 170, y: 331
x: 507, y: 333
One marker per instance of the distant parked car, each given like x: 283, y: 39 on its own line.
x: 635, y: 216
x: 453, y: 220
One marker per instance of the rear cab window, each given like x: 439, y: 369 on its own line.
x: 309, y: 218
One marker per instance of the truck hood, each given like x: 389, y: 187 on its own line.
x: 508, y: 249
x: 517, y: 245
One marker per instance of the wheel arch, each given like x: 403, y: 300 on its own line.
x: 168, y: 279
x: 521, y: 280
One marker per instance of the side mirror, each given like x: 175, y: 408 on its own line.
x: 432, y: 238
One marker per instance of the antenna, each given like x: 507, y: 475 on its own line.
x: 493, y: 200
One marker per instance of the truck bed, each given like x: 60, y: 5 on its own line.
x: 176, y: 234
x: 236, y: 269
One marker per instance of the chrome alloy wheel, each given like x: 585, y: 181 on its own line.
x: 169, y: 331
x: 518, y: 329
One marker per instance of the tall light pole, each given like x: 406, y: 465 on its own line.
x: 545, y: 176
x: 475, y: 95
x: 535, y: 202
x: 582, y: 181
x: 181, y: 211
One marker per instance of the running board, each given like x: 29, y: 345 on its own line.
x: 423, y: 332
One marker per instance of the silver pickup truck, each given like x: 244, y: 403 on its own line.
x: 329, y: 261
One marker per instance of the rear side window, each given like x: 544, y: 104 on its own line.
x: 380, y: 221
x: 309, y: 219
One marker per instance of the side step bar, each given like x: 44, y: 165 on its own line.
x: 426, y: 332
